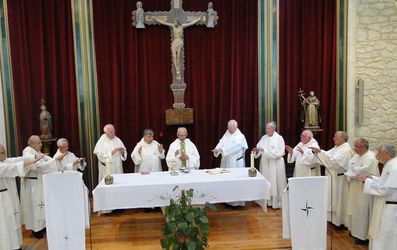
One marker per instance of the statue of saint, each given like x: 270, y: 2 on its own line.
x: 310, y: 114
x: 139, y: 16
x: 211, y: 16
x: 177, y: 41
x: 45, y: 122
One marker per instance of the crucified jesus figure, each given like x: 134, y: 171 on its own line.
x: 177, y: 41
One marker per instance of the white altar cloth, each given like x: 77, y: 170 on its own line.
x: 157, y: 188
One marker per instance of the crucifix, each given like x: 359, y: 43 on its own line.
x: 176, y: 19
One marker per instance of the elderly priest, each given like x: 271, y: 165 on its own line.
x: 10, y: 222
x: 32, y: 197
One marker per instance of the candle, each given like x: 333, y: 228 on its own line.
x: 107, y: 166
x: 252, y: 159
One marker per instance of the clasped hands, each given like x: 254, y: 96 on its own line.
x: 160, y: 147
x: 118, y: 149
x: 258, y: 149
x: 183, y: 157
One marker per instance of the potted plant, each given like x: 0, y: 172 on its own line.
x: 186, y: 227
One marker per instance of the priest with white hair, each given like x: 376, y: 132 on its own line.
x: 382, y: 228
x: 182, y: 153
x: 232, y: 147
x: 32, y: 196
x: 110, y: 148
x: 67, y: 160
x: 359, y: 204
x: 147, y: 154
x: 10, y: 219
x: 271, y: 149
x: 305, y: 160
x: 336, y: 160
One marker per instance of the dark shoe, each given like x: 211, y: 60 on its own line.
x: 37, y: 235
x: 233, y: 207
x: 118, y: 211
x: 361, y: 242
x: 338, y: 228
x: 148, y: 210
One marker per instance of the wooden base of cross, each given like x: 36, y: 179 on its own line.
x: 179, y: 116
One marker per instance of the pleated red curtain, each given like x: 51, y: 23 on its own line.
x: 134, y: 73
x: 41, y: 41
x: 308, y: 61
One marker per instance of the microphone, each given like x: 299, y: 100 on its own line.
x: 330, y: 179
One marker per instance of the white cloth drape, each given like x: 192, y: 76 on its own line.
x: 307, y: 200
x: 66, y: 210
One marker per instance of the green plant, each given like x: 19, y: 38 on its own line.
x: 186, y: 227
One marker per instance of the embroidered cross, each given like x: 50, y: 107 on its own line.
x: 66, y: 237
x: 16, y: 212
x: 41, y: 205
x: 307, y: 209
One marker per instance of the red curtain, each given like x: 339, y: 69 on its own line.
x: 307, y: 61
x: 134, y: 73
x: 41, y: 40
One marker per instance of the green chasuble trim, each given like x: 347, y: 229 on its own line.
x: 7, y: 83
x: 268, y: 89
x: 86, y: 81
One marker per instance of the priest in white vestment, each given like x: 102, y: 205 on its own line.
x: 147, y: 154
x: 305, y: 160
x: 383, y: 226
x: 110, y: 148
x: 182, y: 152
x: 271, y: 149
x: 32, y: 196
x: 336, y: 160
x: 10, y: 214
x: 67, y: 160
x: 232, y: 147
x: 360, y: 204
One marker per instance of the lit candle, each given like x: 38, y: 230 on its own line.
x: 252, y: 160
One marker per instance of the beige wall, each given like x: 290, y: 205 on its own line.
x: 372, y: 56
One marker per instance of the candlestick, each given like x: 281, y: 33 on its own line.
x: 252, y: 160
x: 107, y: 166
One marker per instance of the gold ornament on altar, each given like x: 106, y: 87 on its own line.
x: 173, y: 168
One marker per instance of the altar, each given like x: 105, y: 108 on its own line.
x: 157, y: 188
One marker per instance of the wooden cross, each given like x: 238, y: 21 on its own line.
x: 176, y: 19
